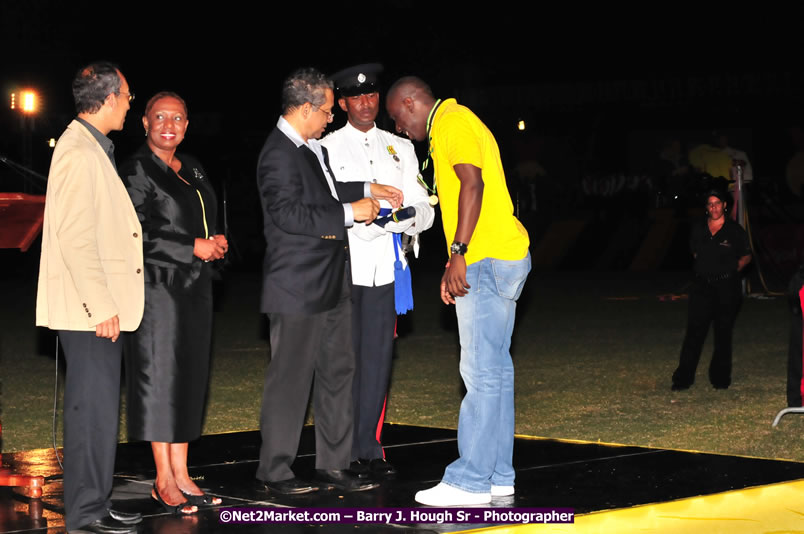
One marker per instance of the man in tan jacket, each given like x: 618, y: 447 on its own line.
x: 91, y: 288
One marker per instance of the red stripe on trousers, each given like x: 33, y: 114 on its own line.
x: 384, y: 404
x: 801, y: 378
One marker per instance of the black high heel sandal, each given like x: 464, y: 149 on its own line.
x: 201, y: 500
x: 178, y: 509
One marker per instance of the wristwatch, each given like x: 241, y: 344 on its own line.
x: 458, y: 248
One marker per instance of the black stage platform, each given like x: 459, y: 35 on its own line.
x: 587, y: 477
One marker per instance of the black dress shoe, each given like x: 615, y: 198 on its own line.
x: 342, y: 479
x: 291, y: 486
x: 128, y: 518
x: 380, y: 467
x: 107, y: 525
x: 679, y: 387
x: 360, y: 468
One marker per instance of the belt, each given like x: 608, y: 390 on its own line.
x: 715, y: 277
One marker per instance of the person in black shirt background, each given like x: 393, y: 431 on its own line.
x: 721, y: 250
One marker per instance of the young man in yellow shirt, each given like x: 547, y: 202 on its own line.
x: 489, y: 262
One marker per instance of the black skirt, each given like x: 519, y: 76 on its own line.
x: 167, y: 361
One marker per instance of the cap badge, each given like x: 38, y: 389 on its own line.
x: 361, y: 77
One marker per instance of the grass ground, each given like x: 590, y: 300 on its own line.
x: 593, y: 356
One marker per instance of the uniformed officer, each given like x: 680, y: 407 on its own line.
x: 362, y: 152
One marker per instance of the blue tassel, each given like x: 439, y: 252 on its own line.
x: 403, y: 291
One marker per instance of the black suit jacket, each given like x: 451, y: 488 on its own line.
x: 171, y: 215
x: 306, y: 246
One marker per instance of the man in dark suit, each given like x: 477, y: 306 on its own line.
x: 306, y: 290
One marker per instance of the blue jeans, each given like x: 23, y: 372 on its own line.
x: 486, y: 420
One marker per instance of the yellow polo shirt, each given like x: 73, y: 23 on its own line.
x: 458, y: 136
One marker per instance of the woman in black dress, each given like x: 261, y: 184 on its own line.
x: 167, y: 358
x: 721, y: 250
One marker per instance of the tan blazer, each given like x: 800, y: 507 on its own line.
x: 91, y: 264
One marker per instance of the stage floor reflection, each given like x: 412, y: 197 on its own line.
x: 587, y: 477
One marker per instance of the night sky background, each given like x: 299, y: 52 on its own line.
x: 599, y: 85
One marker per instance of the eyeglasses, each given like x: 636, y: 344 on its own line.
x: 129, y: 95
x: 330, y: 115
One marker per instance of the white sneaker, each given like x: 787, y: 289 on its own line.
x: 501, y: 491
x: 445, y: 495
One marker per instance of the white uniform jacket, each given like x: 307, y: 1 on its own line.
x: 381, y: 157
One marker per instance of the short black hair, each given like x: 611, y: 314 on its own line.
x: 302, y: 86
x: 163, y: 94
x: 723, y: 195
x: 93, y: 83
x: 408, y: 85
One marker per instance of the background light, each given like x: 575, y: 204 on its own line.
x: 29, y: 101
x: 520, y: 125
